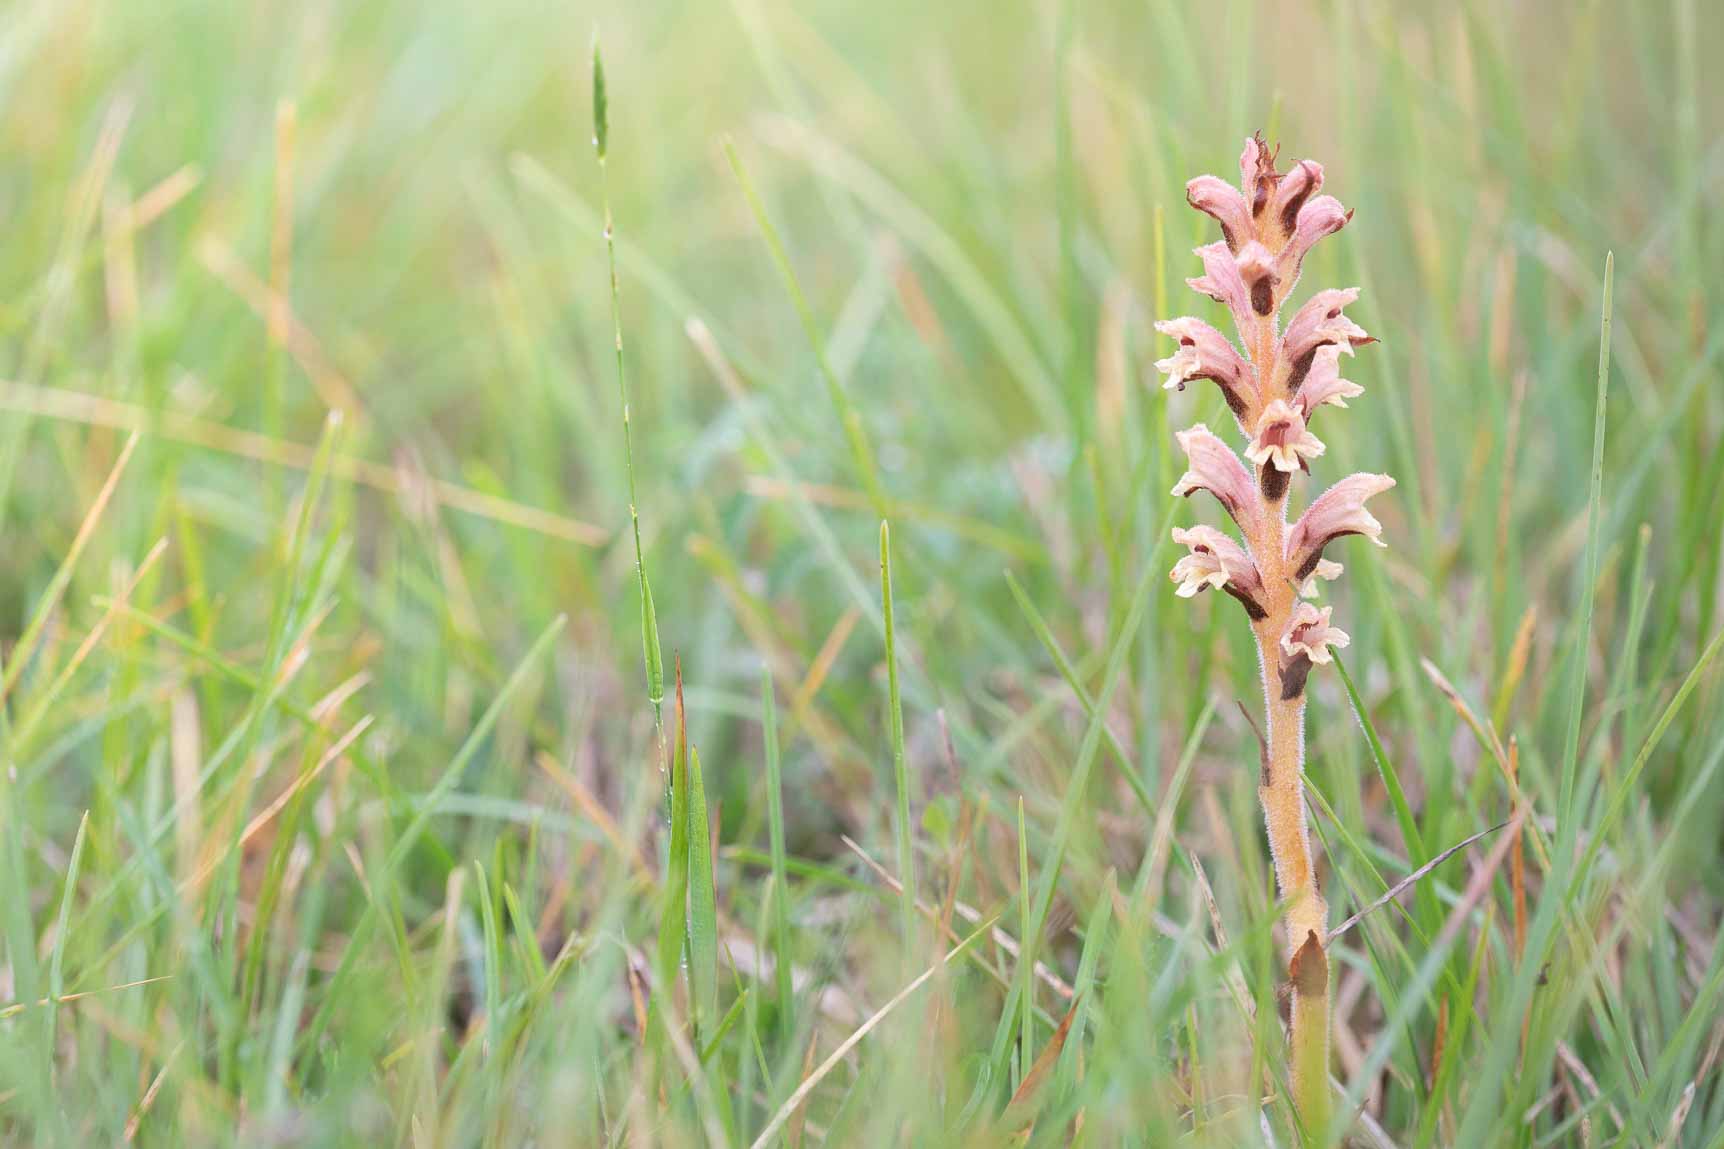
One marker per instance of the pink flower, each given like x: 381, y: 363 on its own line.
x: 1336, y: 512
x: 1282, y: 440
x: 1292, y: 192
x: 1310, y: 635
x: 1323, y: 382
x: 1275, y: 198
x: 1279, y: 212
x: 1216, y: 469
x: 1215, y: 561
x: 1318, y: 218
x: 1222, y: 200
x: 1244, y: 282
x: 1205, y: 353
x: 1319, y: 323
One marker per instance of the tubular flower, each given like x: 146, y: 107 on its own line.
x: 1309, y: 634
x: 1336, y: 512
x: 1320, y: 322
x: 1216, y: 469
x: 1205, y: 353
x: 1245, y: 281
x: 1282, y: 439
x: 1323, y: 383
x: 1318, y: 218
x: 1274, y: 380
x: 1215, y: 561
x: 1276, y: 199
x: 1222, y: 200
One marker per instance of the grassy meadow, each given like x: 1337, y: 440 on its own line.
x: 340, y: 718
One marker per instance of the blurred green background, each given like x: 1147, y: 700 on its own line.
x: 227, y: 221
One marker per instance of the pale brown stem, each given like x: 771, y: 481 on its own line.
x: 1281, y: 790
x: 1282, y: 794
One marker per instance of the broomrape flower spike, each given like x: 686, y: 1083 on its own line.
x: 1274, y: 381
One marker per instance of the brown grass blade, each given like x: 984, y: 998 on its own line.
x: 281, y: 800
x: 1519, y: 652
x: 1021, y: 1110
x: 799, y: 1119
x: 26, y: 646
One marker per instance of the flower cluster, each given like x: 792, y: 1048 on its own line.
x: 1274, y: 381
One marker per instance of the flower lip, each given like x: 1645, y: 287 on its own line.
x: 1282, y: 439
x: 1324, y: 571
x: 1198, y: 571
x: 1309, y: 634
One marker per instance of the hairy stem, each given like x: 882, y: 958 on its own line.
x: 1281, y: 790
x: 1282, y: 793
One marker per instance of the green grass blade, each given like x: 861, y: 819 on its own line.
x: 702, y: 905
x: 652, y: 650
x: 673, y: 911
x: 57, y: 957
x: 1026, y: 954
x: 50, y: 599
x: 1391, y: 777
x: 725, y: 1025
x: 1567, y: 829
x: 780, y: 881
x: 1095, y: 945
x: 1624, y: 790
x: 900, y: 776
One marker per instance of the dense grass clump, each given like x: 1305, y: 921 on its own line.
x: 511, y: 641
